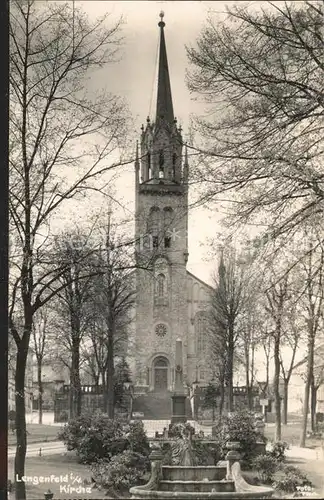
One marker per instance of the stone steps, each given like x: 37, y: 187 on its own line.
x: 156, y: 406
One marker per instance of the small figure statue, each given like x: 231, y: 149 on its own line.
x: 182, y: 449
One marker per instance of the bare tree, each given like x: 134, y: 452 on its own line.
x: 250, y: 337
x: 291, y: 339
x: 261, y: 73
x: 316, y: 382
x: 228, y: 301
x: 114, y: 299
x: 73, y: 302
x: 277, y: 298
x: 42, y: 339
x: 312, y: 298
x: 56, y: 127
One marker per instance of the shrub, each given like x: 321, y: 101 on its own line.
x: 207, y: 453
x: 284, y: 478
x: 240, y: 426
x: 266, y: 466
x: 96, y: 436
x: 137, y: 438
x: 289, y: 479
x: 278, y: 450
x: 180, y: 430
x: 167, y: 453
x: 122, y: 471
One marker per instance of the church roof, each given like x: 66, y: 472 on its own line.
x: 200, y: 281
x: 164, y: 106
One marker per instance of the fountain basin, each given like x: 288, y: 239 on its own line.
x: 208, y: 486
x: 197, y: 486
x: 193, y: 473
x: 137, y: 493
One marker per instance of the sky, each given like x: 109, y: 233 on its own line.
x: 134, y: 79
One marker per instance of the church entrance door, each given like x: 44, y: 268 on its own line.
x: 161, y: 374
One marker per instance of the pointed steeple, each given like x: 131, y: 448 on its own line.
x: 164, y: 107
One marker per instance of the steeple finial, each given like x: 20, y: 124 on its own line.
x: 164, y: 106
x: 161, y: 23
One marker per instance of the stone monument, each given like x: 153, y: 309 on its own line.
x: 179, y: 395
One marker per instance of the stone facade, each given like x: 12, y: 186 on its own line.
x: 171, y: 303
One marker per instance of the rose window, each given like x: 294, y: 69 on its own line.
x: 160, y: 330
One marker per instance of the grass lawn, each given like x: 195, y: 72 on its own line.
x: 57, y: 465
x: 37, y: 433
x: 291, y: 434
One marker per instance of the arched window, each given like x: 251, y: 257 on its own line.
x: 161, y: 164
x: 168, y: 226
x: 174, y: 162
x: 149, y: 164
x: 201, y: 332
x: 160, y: 285
x: 154, y: 221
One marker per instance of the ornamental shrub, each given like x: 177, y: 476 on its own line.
x: 240, y: 427
x: 265, y: 466
x: 278, y: 450
x: 290, y: 479
x: 137, y: 438
x: 96, y: 436
x: 123, y: 471
x: 283, y: 478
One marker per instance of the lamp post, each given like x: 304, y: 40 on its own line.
x: 195, y: 386
x: 264, y: 402
x: 127, y: 388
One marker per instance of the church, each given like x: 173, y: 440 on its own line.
x: 171, y: 303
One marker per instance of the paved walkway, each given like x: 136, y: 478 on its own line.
x: 40, y: 449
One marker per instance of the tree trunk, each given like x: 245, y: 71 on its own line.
x: 285, y: 403
x: 104, y: 390
x: 230, y: 369
x: 40, y: 391
x: 110, y: 373
x: 276, y: 387
x: 21, y: 431
x: 222, y: 397
x: 310, y: 368
x: 313, y: 405
x: 75, y: 408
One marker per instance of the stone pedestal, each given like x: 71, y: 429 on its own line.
x: 179, y: 396
x: 232, y: 456
x: 178, y: 408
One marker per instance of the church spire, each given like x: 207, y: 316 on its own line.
x: 164, y: 107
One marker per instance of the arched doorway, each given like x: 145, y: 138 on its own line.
x: 160, y: 374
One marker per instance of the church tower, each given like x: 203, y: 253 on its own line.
x: 161, y: 228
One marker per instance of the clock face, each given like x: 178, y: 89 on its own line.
x: 160, y: 330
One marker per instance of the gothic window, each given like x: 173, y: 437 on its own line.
x: 167, y: 242
x: 161, y: 164
x: 168, y: 222
x: 202, y: 375
x: 154, y: 221
x: 195, y: 291
x: 161, y: 285
x: 201, y: 332
x: 174, y: 162
x: 149, y: 164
